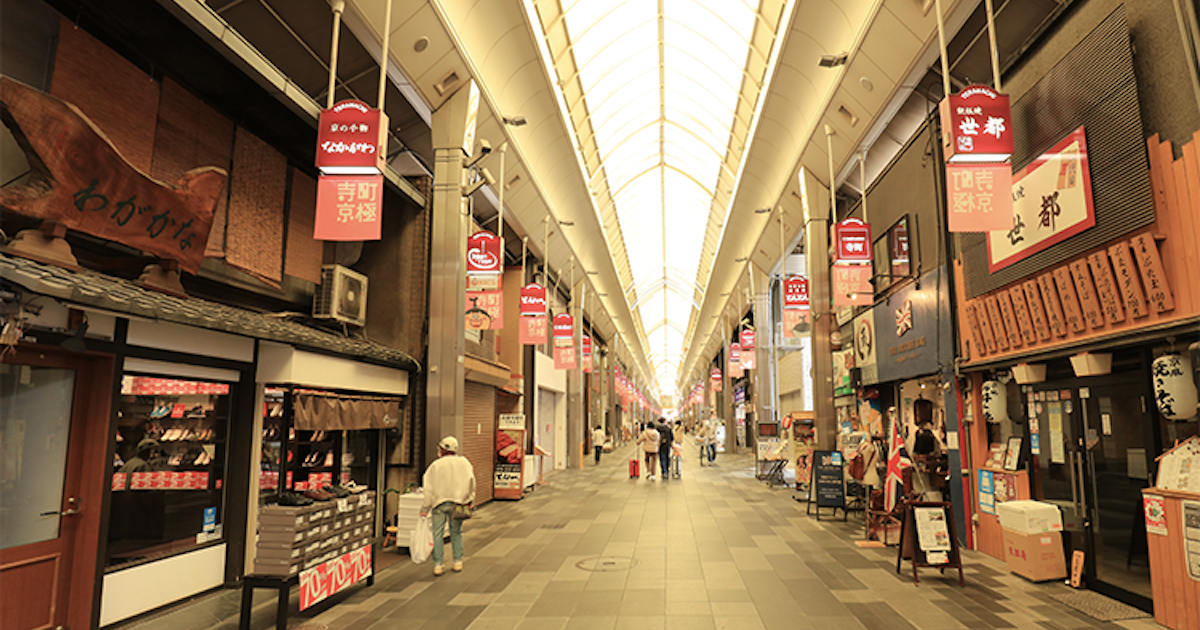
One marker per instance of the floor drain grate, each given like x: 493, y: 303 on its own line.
x: 606, y: 564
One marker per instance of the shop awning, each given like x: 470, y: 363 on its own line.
x: 337, y: 412
x: 88, y: 288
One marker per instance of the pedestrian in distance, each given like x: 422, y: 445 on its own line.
x: 598, y: 442
x: 649, y: 441
x: 666, y: 438
x: 449, y: 481
x: 677, y: 454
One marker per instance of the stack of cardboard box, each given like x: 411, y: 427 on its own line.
x: 292, y: 539
x: 1033, y: 539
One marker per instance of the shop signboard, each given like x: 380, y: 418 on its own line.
x: 1051, y: 202
x: 852, y: 285
x: 907, y: 326
x: 747, y: 354
x: 349, y: 137
x: 795, y: 305
x: 853, y: 239
x: 586, y: 356
x: 349, y: 208
x: 82, y: 182
x: 978, y: 197
x: 533, y: 322
x: 829, y: 483
x: 483, y: 254
x: 334, y: 576
x: 864, y: 348
x: 485, y: 310
x: 564, y: 342
x: 735, y: 361
x: 510, y: 456
x: 717, y: 380
x: 976, y: 125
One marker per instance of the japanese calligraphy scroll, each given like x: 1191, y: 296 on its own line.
x: 80, y: 180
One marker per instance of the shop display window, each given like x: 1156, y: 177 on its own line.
x: 893, y: 255
x: 168, y: 467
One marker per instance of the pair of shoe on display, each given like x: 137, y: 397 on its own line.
x: 203, y: 459
x: 317, y: 494
x: 275, y: 410
x: 318, y: 436
x: 317, y: 458
x: 354, y: 488
x: 439, y: 569
x: 161, y: 411
x: 196, y: 412
x: 271, y: 433
x: 294, y: 499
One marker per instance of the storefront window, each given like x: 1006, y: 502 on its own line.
x: 893, y: 255
x: 168, y: 467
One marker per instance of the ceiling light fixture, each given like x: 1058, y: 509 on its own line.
x: 515, y: 121
x: 833, y: 61
x: 762, y: 211
x: 567, y: 223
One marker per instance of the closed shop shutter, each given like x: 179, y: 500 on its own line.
x: 479, y: 436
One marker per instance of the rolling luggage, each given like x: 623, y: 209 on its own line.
x: 633, y: 469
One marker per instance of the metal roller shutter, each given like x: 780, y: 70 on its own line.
x: 479, y: 436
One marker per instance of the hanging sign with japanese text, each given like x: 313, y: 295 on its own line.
x: 735, y: 361
x: 485, y: 310
x: 1052, y: 201
x: 483, y: 254
x: 978, y: 197
x: 747, y: 338
x: 795, y: 305
x: 852, y: 285
x: 564, y: 342
x: 79, y: 179
x: 349, y: 137
x: 586, y: 344
x: 533, y: 322
x: 717, y: 381
x: 976, y: 125
x: 853, y: 238
x: 349, y: 208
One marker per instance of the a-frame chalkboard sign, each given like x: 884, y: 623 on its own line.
x: 827, y: 486
x: 928, y: 539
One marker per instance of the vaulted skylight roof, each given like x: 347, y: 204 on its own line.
x: 662, y: 95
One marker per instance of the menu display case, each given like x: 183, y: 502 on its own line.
x: 168, y: 467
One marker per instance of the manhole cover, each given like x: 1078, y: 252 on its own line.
x: 605, y: 564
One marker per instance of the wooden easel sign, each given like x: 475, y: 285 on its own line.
x: 927, y: 539
x: 827, y: 488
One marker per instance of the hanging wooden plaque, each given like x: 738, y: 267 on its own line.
x: 1054, y: 312
x: 1010, y: 319
x: 993, y: 311
x: 1037, y: 313
x: 1024, y: 321
x: 1106, y: 288
x: 1158, y: 291
x: 1127, y: 280
x: 1072, y: 314
x: 1086, y: 290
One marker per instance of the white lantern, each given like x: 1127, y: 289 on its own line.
x: 1175, y: 386
x: 995, y: 402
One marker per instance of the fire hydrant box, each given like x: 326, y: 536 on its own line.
x: 1037, y: 557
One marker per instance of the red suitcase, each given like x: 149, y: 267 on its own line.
x: 633, y: 469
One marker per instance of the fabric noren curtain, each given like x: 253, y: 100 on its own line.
x: 331, y: 412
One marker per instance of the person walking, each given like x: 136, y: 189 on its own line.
x: 598, y: 442
x: 665, y: 438
x: 449, y: 481
x: 649, y: 440
x: 711, y: 440
x: 702, y: 440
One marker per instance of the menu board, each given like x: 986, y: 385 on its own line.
x: 828, y: 479
x: 1179, y: 468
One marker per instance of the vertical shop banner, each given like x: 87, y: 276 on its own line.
x: 510, y: 456
x: 1051, y: 202
x: 795, y: 305
x: 978, y: 197
x: 564, y: 342
x: 747, y: 339
x: 853, y: 238
x: 349, y: 137
x: 533, y: 320
x: 349, y: 208
x: 485, y: 310
x: 717, y: 381
x: 485, y: 261
x: 852, y: 285
x: 587, y: 354
x: 976, y: 125
x: 735, y: 361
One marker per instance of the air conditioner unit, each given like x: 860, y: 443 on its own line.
x: 342, y: 296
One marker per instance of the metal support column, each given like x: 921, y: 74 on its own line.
x: 814, y: 197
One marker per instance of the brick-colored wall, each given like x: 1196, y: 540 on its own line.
x: 478, y: 441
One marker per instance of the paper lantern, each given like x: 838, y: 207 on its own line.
x: 1175, y: 387
x: 995, y: 402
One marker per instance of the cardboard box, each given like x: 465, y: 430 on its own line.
x: 1037, y: 557
x: 1029, y: 517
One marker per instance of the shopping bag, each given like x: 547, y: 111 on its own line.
x: 461, y: 512
x: 420, y: 546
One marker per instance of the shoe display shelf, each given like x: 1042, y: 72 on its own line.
x: 294, y: 459
x: 179, y: 440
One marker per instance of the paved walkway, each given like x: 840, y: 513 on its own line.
x: 717, y: 549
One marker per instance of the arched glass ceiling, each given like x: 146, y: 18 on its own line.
x: 668, y: 89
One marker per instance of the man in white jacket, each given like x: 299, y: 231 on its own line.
x: 450, y: 479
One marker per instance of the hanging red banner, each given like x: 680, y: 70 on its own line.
x: 587, y: 354
x: 717, y: 381
x: 979, y: 197
x: 795, y: 292
x: 349, y: 208
x: 747, y: 337
x: 485, y: 310
x: 852, y: 285
x: 976, y: 125
x: 853, y: 238
x: 735, y: 361
x: 792, y: 320
x: 483, y: 253
x: 349, y: 137
x: 533, y: 299
x: 564, y: 342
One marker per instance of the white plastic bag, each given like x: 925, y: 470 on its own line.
x: 420, y: 545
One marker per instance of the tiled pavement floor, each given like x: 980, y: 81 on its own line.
x: 716, y: 549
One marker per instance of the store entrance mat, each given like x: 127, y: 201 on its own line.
x: 1099, y: 606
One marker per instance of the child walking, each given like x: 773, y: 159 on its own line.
x: 677, y: 457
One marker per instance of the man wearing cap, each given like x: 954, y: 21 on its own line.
x: 450, y: 479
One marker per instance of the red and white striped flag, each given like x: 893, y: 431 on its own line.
x: 898, y: 460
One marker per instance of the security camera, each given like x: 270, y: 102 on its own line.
x: 485, y: 148
x: 485, y: 177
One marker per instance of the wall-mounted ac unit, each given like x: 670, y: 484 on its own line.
x: 342, y: 296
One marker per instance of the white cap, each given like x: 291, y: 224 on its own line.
x: 449, y: 443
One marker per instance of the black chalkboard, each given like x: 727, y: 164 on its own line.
x: 828, y: 487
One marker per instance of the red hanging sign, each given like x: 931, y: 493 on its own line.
x: 717, y: 381
x: 532, y: 330
x: 564, y: 342
x: 349, y: 208
x: 735, y: 361
x: 978, y: 198
x: 349, y: 137
x: 853, y: 238
x: 976, y: 125
x: 795, y: 293
x: 852, y: 285
x: 483, y: 254
x: 747, y: 338
x: 587, y: 354
x: 485, y: 310
x: 533, y: 300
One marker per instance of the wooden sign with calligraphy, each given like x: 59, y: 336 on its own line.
x: 1024, y: 322
x: 976, y: 334
x: 80, y: 180
x: 1054, y: 312
x: 1158, y: 292
x: 1010, y: 319
x: 1087, y: 294
x: 1127, y: 280
x: 993, y: 311
x: 985, y: 326
x: 1072, y: 314
x: 1106, y: 288
x: 1036, y: 311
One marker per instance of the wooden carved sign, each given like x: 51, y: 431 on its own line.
x: 80, y: 180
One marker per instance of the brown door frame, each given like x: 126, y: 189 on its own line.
x: 86, y: 472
